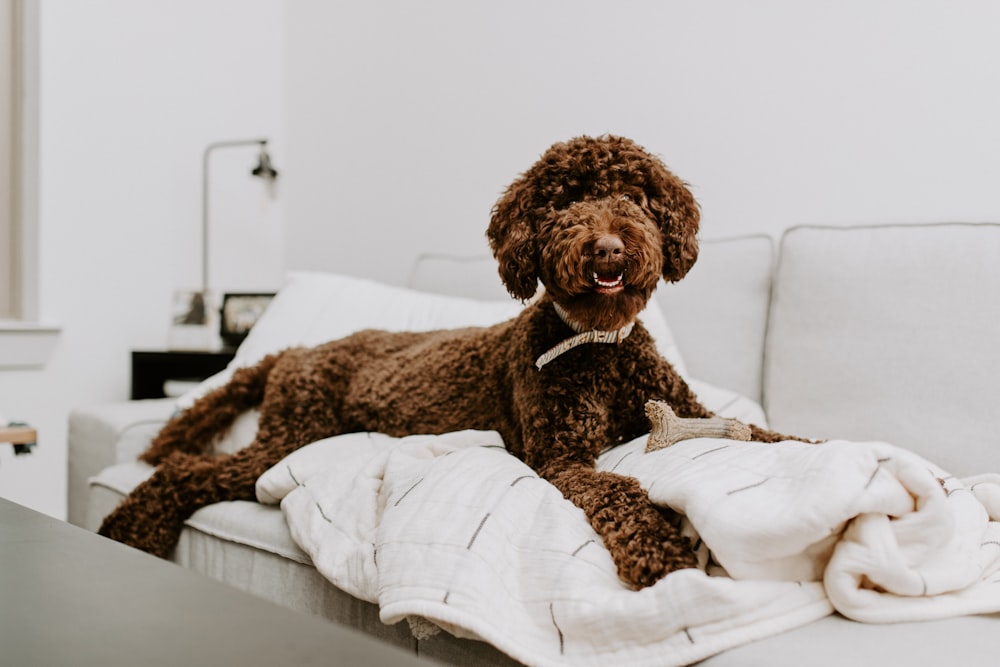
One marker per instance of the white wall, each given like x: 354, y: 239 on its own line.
x: 405, y: 120
x: 401, y: 122
x: 131, y: 92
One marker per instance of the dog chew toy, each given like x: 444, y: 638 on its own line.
x: 668, y: 428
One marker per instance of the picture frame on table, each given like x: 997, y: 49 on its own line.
x: 239, y: 312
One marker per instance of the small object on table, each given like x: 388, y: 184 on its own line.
x: 19, y: 434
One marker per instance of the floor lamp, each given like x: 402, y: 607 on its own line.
x: 264, y: 170
x: 194, y: 324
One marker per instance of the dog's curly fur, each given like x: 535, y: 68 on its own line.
x: 598, y: 221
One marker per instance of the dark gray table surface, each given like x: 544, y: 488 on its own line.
x: 70, y: 597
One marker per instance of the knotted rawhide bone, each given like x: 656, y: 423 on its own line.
x: 668, y: 428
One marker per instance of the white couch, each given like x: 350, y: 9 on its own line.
x: 862, y: 333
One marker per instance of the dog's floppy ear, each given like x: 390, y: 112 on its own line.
x: 677, y: 215
x: 513, y: 240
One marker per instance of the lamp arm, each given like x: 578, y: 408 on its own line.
x: 204, y: 197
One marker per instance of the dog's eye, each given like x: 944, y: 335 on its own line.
x: 626, y: 198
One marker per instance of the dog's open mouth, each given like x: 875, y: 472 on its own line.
x: 609, y: 283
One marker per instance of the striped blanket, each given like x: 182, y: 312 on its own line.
x: 451, y: 532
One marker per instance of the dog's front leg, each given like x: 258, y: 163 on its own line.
x: 644, y: 542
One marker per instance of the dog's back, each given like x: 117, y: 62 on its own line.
x: 432, y: 382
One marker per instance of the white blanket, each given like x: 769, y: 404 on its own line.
x: 454, y: 530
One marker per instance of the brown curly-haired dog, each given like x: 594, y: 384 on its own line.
x: 598, y: 221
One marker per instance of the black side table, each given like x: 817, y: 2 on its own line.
x: 152, y: 368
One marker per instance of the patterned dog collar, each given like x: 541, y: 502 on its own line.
x: 593, y: 336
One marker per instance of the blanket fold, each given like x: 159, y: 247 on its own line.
x: 454, y: 530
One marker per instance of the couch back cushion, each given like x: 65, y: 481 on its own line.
x: 469, y: 276
x: 890, y: 333
x: 718, y: 312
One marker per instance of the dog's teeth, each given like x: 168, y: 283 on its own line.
x: 607, y: 283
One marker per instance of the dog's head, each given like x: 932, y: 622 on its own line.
x: 598, y: 221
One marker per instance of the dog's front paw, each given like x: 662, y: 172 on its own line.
x: 643, y: 539
x: 647, y: 543
x: 647, y: 551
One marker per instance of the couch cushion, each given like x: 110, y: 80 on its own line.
x: 834, y: 641
x: 891, y: 333
x: 718, y: 312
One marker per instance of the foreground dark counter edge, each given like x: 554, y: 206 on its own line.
x: 70, y: 597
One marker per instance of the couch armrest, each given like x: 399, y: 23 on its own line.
x: 103, y: 435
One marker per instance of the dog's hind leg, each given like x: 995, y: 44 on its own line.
x: 194, y: 430
x: 296, y: 410
x: 152, y: 516
x: 234, y: 477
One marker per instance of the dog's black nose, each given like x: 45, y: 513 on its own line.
x: 608, y: 247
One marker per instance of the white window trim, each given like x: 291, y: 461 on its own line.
x: 24, y: 343
x: 9, y: 142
